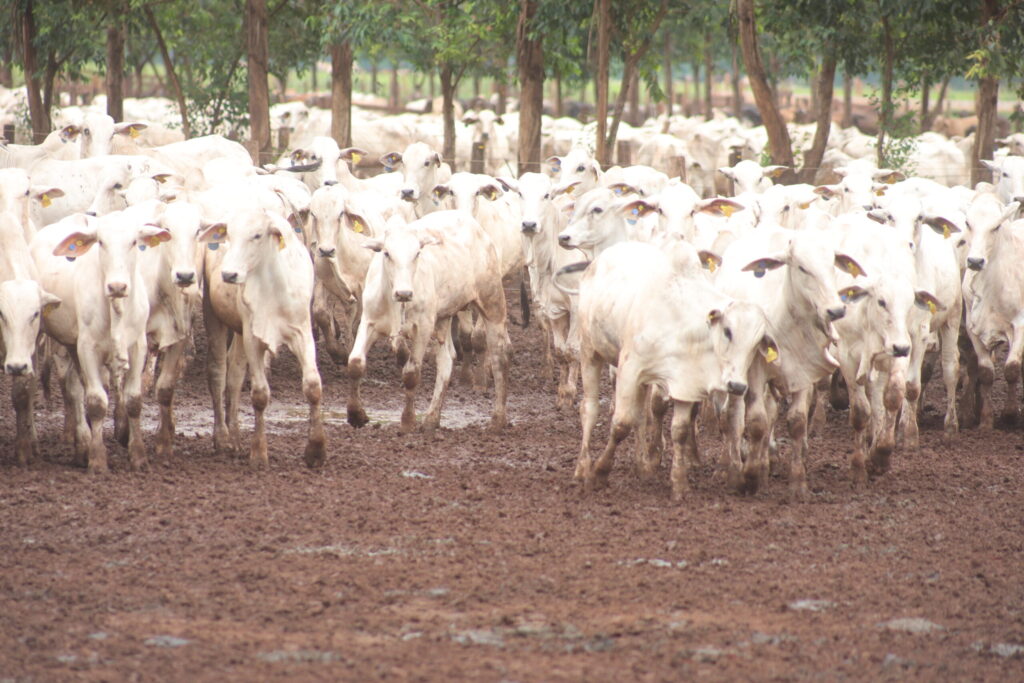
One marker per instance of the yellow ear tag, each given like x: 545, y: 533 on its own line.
x: 45, y: 200
x: 727, y: 209
x: 356, y: 157
x: 154, y: 241
x: 133, y: 132
x: 945, y: 231
x: 711, y: 264
x: 879, y: 193
x: 805, y: 205
x: 357, y: 225
x: 932, y: 307
x: 79, y: 243
x: 853, y: 270
x: 771, y: 355
x: 49, y: 308
x: 280, y: 241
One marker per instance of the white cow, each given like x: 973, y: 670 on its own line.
x: 674, y: 333
x: 750, y: 176
x: 59, y: 144
x: 422, y: 171
x: 1008, y: 177
x: 102, y: 318
x: 424, y: 273
x: 260, y: 290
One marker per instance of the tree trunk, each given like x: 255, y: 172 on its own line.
x: 604, y: 21
x: 341, y: 93
x: 395, y: 101
x: 559, y: 100
x: 501, y: 90
x: 186, y: 129
x: 530, y: 61
x: 734, y: 81
x: 885, y: 113
x: 847, y: 100
x: 259, y: 91
x: 823, y: 118
x: 634, y: 99
x: 926, y: 91
x: 929, y: 118
x: 667, y: 70
x: 709, y: 74
x: 39, y: 115
x: 987, y: 103
x: 115, y: 69
x: 778, y: 136
x: 448, y: 86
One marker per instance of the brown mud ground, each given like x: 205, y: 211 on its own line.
x: 474, y: 556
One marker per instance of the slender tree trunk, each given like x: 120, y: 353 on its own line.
x: 39, y: 115
x: 115, y: 69
x: 667, y: 71
x: 530, y: 61
x: 823, y: 118
x: 885, y: 113
x: 396, y: 93
x: 448, y: 86
x: 709, y: 75
x: 559, y: 100
x: 734, y: 80
x: 987, y: 103
x: 259, y: 92
x: 634, y: 99
x: 847, y: 100
x: 179, y: 95
x: 501, y: 90
x: 934, y: 111
x: 778, y: 136
x: 341, y: 93
x: 926, y: 91
x: 6, y: 72
x: 604, y: 21
x: 49, y: 78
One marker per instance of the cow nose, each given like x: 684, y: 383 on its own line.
x: 403, y: 295
x: 185, y: 277
x: 91, y: 213
x: 16, y: 369
x: 117, y: 290
x: 327, y: 252
x: 407, y: 194
x: 975, y: 263
x: 229, y: 276
x: 529, y: 226
x: 563, y: 241
x: 901, y: 350
x: 328, y: 183
x: 736, y: 388
x: 836, y: 312
x: 485, y: 137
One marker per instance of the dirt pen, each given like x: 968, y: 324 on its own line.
x: 468, y: 555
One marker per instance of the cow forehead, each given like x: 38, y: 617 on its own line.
x: 402, y: 243
x: 19, y: 295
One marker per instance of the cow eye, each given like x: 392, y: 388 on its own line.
x: 387, y: 254
x: 803, y: 270
x: 118, y: 186
x: 881, y: 302
x: 596, y: 209
x: 547, y: 196
x: 87, y: 131
x: 34, y: 316
x: 728, y: 333
x: 426, y: 163
x: 581, y: 168
x: 27, y: 193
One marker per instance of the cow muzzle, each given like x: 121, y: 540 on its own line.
x: 975, y: 263
x: 403, y: 295
x: 17, y: 369
x: 564, y: 241
x: 230, y: 277
x: 736, y: 388
x: 117, y: 290
x: 530, y: 227
x: 408, y: 195
x: 836, y: 313
x: 901, y: 350
x: 326, y: 252
x: 184, y: 278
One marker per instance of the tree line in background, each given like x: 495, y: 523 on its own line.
x: 214, y: 56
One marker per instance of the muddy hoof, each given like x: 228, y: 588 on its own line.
x: 357, y: 417
x: 879, y: 461
x: 750, y: 483
x: 315, y: 454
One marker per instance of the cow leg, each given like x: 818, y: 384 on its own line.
x: 590, y: 373
x: 565, y: 360
x: 731, y: 462
x: 860, y: 421
x: 132, y: 398
x: 796, y: 418
x: 818, y: 414
x: 411, y: 374
x: 366, y: 335
x: 170, y: 371
x: 464, y: 323
x: 757, y: 426
x: 216, y: 369
x: 23, y: 391
x: 323, y: 316
x: 1011, y: 371
x: 912, y: 399
x: 444, y: 359
x: 885, y: 409
x: 235, y: 377
x: 121, y: 430
x: 95, y: 406
x: 76, y: 428
x: 650, y: 448
x: 950, y: 359
x: 629, y: 402
x: 255, y: 353
x: 479, y: 339
x: 682, y: 432
x: 316, y: 442
x: 492, y: 312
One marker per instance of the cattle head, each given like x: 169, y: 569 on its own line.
x: 988, y: 219
x: 600, y: 219
x: 484, y: 124
x: 114, y: 240
x: 907, y: 216
x: 98, y: 131
x: 739, y: 332
x: 420, y: 165
x: 750, y: 176
x: 23, y: 303
x: 317, y: 162
x: 578, y: 166
x: 255, y: 236
x: 400, y: 250
x: 184, y: 222
x: 1008, y: 177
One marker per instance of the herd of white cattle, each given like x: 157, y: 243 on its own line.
x: 724, y: 308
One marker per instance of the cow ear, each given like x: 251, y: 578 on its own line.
x: 989, y: 165
x: 436, y: 159
x: 852, y: 294
x: 709, y: 260
x: 353, y: 154
x: 888, y: 176
x: 638, y: 208
x: 70, y: 132
x: 927, y: 301
x: 714, y: 316
x: 153, y: 235
x: 762, y: 265
x: 355, y: 222
x: 74, y: 245
x: 849, y: 264
x: 621, y: 189
x: 569, y: 189
x: 297, y: 156
x: 879, y: 216
x: 490, y: 191
x: 391, y: 159
x: 470, y: 120
x: 374, y: 245
x: 48, y: 303
x: 769, y: 349
x: 440, y: 192
x: 943, y: 226
x: 774, y: 171
x: 1009, y: 212
x: 727, y: 172
x: 827, y: 191
x: 509, y: 185
x: 554, y: 165
x: 45, y: 195
x: 500, y: 121
x: 132, y: 130
x: 214, y: 233
x: 718, y: 207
